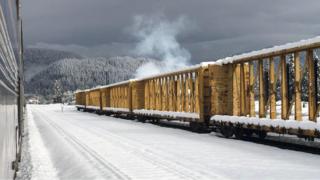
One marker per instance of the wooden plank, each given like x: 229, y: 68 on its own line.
x: 246, y: 88
x: 186, y: 92
x: 192, y: 101
x: 183, y: 93
x: 197, y: 86
x: 242, y: 91
x: 251, y: 90
x: 284, y: 87
x: 160, y: 94
x: 262, y: 111
x: 153, y: 95
x: 273, y: 111
x: 146, y: 95
x: 130, y: 96
x: 179, y: 94
x: 172, y: 103
x: 201, y: 94
x: 221, y: 84
x: 100, y: 99
x: 190, y: 93
x: 236, y: 90
x: 168, y: 93
x: 174, y: 90
x: 297, y: 87
x: 164, y: 94
x: 311, y: 86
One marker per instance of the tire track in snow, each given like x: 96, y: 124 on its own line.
x: 142, y: 151
x: 108, y: 170
x: 177, y: 174
x: 157, y: 158
x: 147, y: 155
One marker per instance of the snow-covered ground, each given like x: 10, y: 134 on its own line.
x: 78, y: 145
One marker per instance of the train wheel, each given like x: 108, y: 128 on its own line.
x: 248, y: 133
x: 141, y: 119
x: 227, y: 131
x: 198, y: 127
x: 194, y: 126
x: 262, y: 134
x: 239, y: 133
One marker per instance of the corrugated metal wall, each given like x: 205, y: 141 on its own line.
x: 10, y: 66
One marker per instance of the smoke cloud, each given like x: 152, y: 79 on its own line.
x: 157, y: 38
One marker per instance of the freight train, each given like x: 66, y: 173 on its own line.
x: 11, y: 89
x: 270, y: 90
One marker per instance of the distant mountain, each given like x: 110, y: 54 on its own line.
x: 45, y: 67
x: 37, y: 60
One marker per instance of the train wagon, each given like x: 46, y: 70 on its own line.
x: 116, y: 98
x: 80, y: 97
x: 272, y: 90
x: 93, y: 100
x: 11, y: 88
x: 183, y: 95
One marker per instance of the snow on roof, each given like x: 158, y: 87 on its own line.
x: 78, y: 91
x: 116, y: 84
x: 105, y: 86
x: 189, y: 68
x: 266, y: 51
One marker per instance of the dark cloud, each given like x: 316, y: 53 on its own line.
x: 220, y: 27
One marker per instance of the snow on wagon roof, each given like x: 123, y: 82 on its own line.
x: 115, y: 84
x: 289, y: 47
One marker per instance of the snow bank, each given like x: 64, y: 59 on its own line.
x: 167, y: 113
x: 293, y: 124
x: 284, y: 47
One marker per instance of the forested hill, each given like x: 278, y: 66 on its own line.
x: 37, y: 60
x: 74, y: 72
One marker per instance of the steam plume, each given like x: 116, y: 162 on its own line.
x: 158, y: 39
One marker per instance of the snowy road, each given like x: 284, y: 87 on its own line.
x: 77, y: 145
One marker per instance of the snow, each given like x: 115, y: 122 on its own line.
x: 284, y: 47
x: 93, y: 107
x: 116, y: 84
x: 116, y: 109
x: 167, y: 113
x: 190, y: 68
x: 293, y: 124
x: 87, y: 146
x: 42, y: 166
